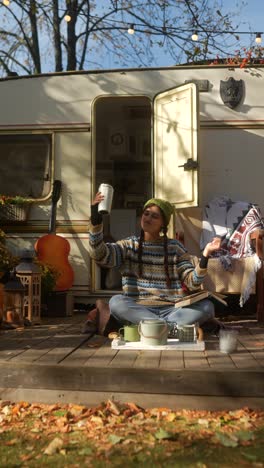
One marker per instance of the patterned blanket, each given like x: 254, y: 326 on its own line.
x: 238, y: 245
x: 233, y: 222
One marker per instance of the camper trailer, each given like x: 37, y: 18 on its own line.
x: 185, y: 133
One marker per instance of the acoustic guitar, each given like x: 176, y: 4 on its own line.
x: 53, y: 250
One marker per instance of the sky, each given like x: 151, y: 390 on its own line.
x: 251, y: 18
x: 252, y: 14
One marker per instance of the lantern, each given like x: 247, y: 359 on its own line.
x: 30, y: 275
x: 13, y: 300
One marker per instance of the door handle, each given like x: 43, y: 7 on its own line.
x: 190, y: 165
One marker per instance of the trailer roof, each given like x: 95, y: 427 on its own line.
x: 130, y: 70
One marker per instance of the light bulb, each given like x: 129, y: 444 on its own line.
x: 258, y: 39
x: 131, y: 29
x: 67, y: 17
x: 195, y: 36
x: 6, y: 2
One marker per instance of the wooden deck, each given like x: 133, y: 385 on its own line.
x: 54, y: 362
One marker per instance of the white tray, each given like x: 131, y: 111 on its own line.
x: 172, y: 345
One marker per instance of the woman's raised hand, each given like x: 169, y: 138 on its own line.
x: 212, y: 246
x: 98, y: 198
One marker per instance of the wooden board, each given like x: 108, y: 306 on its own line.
x: 56, y: 357
x: 145, y: 380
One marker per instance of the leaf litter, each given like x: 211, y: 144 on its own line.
x: 127, y: 432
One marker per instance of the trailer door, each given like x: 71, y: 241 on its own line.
x: 175, y: 145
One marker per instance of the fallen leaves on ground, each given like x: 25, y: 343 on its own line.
x: 63, y: 429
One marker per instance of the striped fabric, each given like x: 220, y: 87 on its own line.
x: 151, y: 287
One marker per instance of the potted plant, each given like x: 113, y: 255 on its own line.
x: 49, y: 276
x: 8, y: 261
x: 14, y: 208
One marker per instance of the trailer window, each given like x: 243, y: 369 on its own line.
x: 25, y: 165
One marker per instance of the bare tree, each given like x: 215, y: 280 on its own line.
x: 35, y: 37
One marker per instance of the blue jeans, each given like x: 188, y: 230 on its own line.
x: 125, y: 309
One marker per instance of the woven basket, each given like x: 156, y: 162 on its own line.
x: 15, y: 213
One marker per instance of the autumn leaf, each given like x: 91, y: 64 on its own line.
x: 133, y: 407
x: 51, y: 408
x: 162, y: 434
x: 60, y: 413
x: 25, y: 457
x: 226, y: 439
x: 115, y: 439
x: 54, y: 446
x: 6, y: 410
x: 249, y: 456
x: 170, y: 417
x: 16, y: 410
x: 36, y: 429
x: 85, y: 451
x: 203, y: 422
x: 11, y: 442
x: 97, y: 420
x: 245, y: 435
x: 61, y: 420
x: 76, y: 411
x: 65, y: 429
x: 128, y: 441
x: 112, y: 407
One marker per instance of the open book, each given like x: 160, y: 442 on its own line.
x: 195, y: 297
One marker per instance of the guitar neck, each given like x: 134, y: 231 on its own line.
x: 55, y: 197
x: 52, y: 223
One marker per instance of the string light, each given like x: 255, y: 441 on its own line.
x: 167, y: 30
x: 131, y: 29
x: 67, y: 17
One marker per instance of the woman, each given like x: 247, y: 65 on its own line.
x: 157, y: 271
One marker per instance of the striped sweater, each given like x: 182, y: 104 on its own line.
x: 151, y: 287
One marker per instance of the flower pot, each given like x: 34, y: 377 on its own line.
x: 14, y: 213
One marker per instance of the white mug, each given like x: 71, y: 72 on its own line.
x: 105, y: 205
x: 228, y: 341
